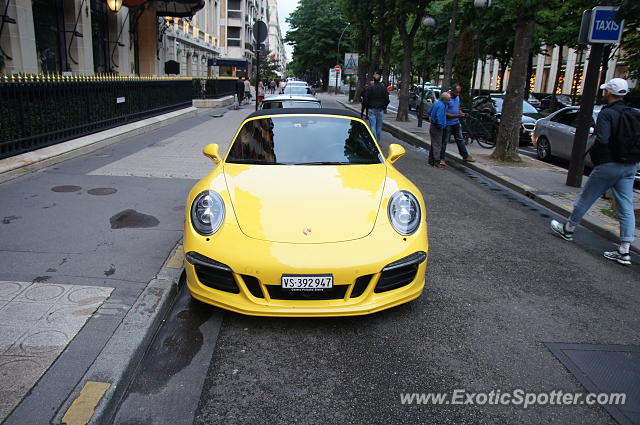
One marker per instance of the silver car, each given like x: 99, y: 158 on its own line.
x: 290, y: 101
x: 553, y: 135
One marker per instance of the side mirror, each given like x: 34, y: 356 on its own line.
x: 212, y: 151
x: 395, y: 152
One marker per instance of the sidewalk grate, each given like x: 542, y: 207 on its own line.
x: 606, y: 369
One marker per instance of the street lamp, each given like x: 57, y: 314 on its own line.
x: 427, y: 22
x: 338, y: 54
x: 114, y: 5
x: 478, y: 4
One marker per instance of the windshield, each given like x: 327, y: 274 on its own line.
x: 297, y: 90
x: 304, y: 140
x: 526, y: 107
x: 289, y: 104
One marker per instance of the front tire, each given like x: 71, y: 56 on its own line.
x: 543, y: 149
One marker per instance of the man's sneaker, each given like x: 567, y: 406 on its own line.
x: 558, y: 228
x: 624, y: 259
x: 469, y: 159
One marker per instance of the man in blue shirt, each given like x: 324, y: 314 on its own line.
x: 453, y: 124
x: 438, y: 118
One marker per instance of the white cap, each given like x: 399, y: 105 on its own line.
x: 617, y: 86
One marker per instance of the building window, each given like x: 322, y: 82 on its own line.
x: 233, y: 37
x: 100, y: 36
x: 48, y: 25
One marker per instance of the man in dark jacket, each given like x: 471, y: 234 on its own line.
x: 240, y: 90
x: 376, y: 99
x: 608, y: 173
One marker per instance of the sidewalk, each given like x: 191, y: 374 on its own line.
x: 540, y: 181
x: 91, y: 258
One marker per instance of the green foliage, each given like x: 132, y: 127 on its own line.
x: 268, y: 67
x: 559, y: 21
x: 431, y: 43
x: 316, y: 26
x: 463, y: 65
x: 630, y: 46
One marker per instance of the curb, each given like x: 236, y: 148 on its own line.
x: 115, y: 366
x: 530, y: 192
x: 19, y: 165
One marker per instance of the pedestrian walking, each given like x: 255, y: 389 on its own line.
x: 375, y: 100
x: 247, y: 90
x: 283, y: 84
x: 453, y: 124
x: 260, y: 93
x: 615, y: 153
x: 272, y: 87
x: 438, y: 117
x: 240, y: 91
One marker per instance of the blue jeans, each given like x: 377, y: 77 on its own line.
x: 619, y: 177
x: 456, y: 130
x: 375, y: 122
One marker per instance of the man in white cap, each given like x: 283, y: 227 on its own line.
x: 612, y: 170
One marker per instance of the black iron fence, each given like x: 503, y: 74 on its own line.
x: 208, y: 88
x: 37, y: 111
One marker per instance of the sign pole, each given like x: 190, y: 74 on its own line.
x: 257, y: 71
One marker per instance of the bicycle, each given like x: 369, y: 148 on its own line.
x: 479, y: 128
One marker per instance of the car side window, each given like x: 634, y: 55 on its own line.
x: 568, y: 118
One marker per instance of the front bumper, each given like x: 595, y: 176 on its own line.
x: 365, y: 280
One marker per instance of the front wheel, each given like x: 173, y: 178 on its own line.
x: 543, y: 149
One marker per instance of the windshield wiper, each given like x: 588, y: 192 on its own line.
x: 324, y: 163
x: 253, y: 161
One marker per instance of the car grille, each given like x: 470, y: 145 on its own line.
x: 253, y: 285
x: 361, y: 285
x: 396, y: 278
x: 217, y: 279
x: 277, y: 293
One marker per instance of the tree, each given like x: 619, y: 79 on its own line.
x: 463, y: 68
x: 268, y: 67
x: 630, y: 46
x: 315, y: 28
x: 451, y: 45
x: 509, y: 132
x: 408, y: 16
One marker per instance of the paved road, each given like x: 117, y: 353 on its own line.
x: 499, y: 286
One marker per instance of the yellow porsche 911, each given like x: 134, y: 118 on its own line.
x: 305, y: 217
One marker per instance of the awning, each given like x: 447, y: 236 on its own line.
x: 172, y: 8
x: 240, y: 62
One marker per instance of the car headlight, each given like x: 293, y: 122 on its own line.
x: 207, y: 212
x: 404, y: 212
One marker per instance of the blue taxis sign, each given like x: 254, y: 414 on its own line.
x: 604, y: 28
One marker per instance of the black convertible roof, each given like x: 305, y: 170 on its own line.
x: 304, y: 111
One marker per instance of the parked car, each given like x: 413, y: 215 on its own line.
x: 290, y: 101
x: 489, y: 108
x: 305, y: 216
x: 432, y: 94
x: 298, y: 90
x: 300, y: 84
x: 562, y: 101
x: 553, y: 135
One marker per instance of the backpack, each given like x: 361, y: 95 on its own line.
x: 626, y: 144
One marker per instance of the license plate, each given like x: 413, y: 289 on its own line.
x: 307, y: 282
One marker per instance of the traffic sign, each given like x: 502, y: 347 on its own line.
x: 260, y: 31
x: 337, y: 68
x: 604, y: 28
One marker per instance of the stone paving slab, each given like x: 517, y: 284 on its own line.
x: 37, y: 322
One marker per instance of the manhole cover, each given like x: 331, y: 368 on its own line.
x: 606, y: 369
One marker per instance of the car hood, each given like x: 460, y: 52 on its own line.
x: 305, y: 203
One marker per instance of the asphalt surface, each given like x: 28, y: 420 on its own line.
x: 499, y: 286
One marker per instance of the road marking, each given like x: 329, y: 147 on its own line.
x: 177, y: 260
x: 82, y: 408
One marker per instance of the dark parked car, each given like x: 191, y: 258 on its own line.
x: 489, y: 110
x: 432, y: 94
x: 562, y: 101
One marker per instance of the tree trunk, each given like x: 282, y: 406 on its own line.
x: 451, y: 46
x: 511, y: 119
x: 386, y: 60
x: 503, y: 70
x: 362, y: 75
x: 556, y: 82
x: 606, y: 56
x: 405, y: 77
